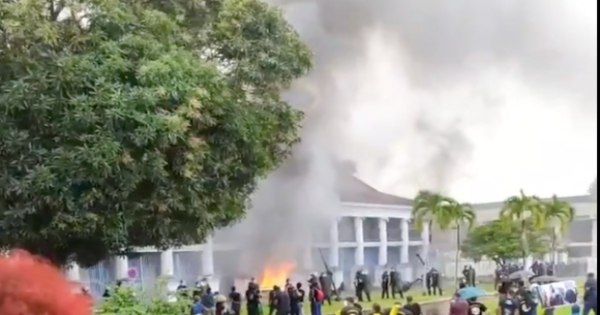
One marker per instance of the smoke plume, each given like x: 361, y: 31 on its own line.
x: 409, y: 90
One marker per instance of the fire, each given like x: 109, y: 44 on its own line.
x: 276, y: 275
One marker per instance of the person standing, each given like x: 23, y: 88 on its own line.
x: 235, y: 298
x: 301, y: 297
x: 197, y: 308
x: 359, y: 285
x: 316, y: 298
x: 273, y: 299
x: 385, y: 285
x: 252, y: 299
x: 395, y: 283
x: 413, y: 307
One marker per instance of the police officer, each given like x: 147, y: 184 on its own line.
x: 385, y: 285
x: 325, y: 283
x: 361, y: 286
x: 433, y: 282
x: 395, y: 283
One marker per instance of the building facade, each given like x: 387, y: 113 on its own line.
x: 373, y: 232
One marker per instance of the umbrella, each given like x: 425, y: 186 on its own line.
x: 521, y: 274
x: 544, y: 279
x: 471, y: 292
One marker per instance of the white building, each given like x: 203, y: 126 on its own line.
x: 373, y: 233
x: 581, y: 238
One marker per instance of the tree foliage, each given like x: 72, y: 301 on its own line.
x: 441, y: 210
x: 501, y: 241
x: 559, y: 214
x: 138, y: 123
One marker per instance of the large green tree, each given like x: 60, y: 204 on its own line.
x: 446, y: 213
x: 131, y: 123
x: 528, y: 210
x: 559, y: 215
x: 501, y: 241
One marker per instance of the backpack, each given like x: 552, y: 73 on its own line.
x: 319, y: 295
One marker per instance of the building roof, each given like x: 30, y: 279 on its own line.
x: 352, y: 189
x: 569, y: 199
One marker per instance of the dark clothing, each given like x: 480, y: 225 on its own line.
x: 433, y: 283
x: 282, y: 303
x: 236, y: 302
x: 301, y: 295
x: 385, y: 286
x: 253, y: 301
x: 508, y: 306
x: 414, y: 308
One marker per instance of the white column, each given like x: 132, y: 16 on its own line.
x: 405, y: 270
x: 121, y: 267
x: 334, y: 245
x: 383, y: 242
x: 334, y: 253
x: 425, y: 249
x: 359, y: 258
x: 208, y: 268
x: 594, y: 237
x: 73, y: 272
x: 167, y: 264
x: 425, y: 241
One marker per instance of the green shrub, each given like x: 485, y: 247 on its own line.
x: 132, y: 301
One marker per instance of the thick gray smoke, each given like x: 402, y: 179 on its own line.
x: 408, y: 89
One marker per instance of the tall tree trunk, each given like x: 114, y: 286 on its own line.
x: 554, y: 253
x: 524, y: 243
x: 457, y: 257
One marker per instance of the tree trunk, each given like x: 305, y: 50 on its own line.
x: 553, y: 249
x: 457, y: 258
x: 524, y: 243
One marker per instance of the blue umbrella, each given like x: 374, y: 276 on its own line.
x: 471, y: 292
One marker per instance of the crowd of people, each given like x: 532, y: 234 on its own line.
x: 290, y: 299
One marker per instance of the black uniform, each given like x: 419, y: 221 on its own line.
x: 433, y: 282
x: 325, y: 283
x: 385, y: 285
x: 253, y: 300
x: 361, y: 286
x: 396, y: 284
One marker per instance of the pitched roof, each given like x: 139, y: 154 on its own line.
x: 352, y: 189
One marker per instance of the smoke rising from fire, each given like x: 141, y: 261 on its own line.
x: 413, y: 91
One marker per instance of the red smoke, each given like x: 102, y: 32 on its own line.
x: 31, y: 286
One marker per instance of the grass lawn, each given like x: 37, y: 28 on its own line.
x: 418, y: 296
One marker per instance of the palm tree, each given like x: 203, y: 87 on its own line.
x: 445, y: 212
x: 462, y: 214
x: 559, y: 214
x: 523, y: 208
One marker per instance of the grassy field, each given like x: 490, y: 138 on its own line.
x: 419, y: 297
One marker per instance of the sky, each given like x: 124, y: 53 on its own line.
x: 476, y: 100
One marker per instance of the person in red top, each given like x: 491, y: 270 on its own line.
x: 459, y: 306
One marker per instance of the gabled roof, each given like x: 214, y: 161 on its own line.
x: 352, y: 189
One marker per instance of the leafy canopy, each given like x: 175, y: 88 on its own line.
x: 443, y: 211
x: 138, y: 123
x: 524, y: 207
x: 501, y: 241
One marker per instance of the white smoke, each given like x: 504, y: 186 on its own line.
x: 456, y: 96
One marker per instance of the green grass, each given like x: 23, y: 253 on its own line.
x: 419, y: 297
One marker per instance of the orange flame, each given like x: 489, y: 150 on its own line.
x: 276, y: 275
